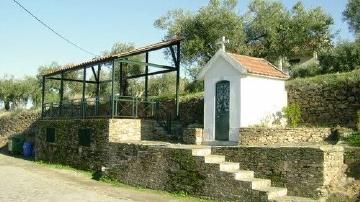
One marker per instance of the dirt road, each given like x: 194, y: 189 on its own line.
x: 22, y: 180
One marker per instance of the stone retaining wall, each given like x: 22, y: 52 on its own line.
x: 66, y: 148
x: 19, y: 122
x: 268, y: 136
x: 352, y: 160
x: 304, y: 171
x: 329, y: 100
x: 174, y: 170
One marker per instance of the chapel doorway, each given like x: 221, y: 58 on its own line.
x: 222, y: 105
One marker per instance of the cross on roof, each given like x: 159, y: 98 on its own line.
x: 222, y: 41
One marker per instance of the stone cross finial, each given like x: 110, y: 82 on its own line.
x: 222, y: 41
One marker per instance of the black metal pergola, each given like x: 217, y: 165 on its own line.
x: 114, y: 107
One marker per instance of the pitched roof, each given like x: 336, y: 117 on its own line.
x: 258, y: 66
x: 136, y: 51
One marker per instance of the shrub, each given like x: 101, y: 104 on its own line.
x: 292, y: 114
x: 305, y: 71
x: 354, y: 139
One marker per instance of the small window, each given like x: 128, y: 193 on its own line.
x: 50, y: 135
x: 85, y: 137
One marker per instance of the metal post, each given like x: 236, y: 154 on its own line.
x: 83, y: 93
x: 121, y: 80
x: 112, y: 88
x: 98, y: 81
x: 61, y: 93
x: 146, y: 76
x: 177, y: 65
x: 43, y: 96
x: 97, y: 101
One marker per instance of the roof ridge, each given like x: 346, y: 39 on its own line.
x: 257, y: 58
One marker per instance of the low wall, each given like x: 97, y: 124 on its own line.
x: 267, y: 136
x: 174, y: 170
x: 17, y: 122
x: 352, y: 160
x: 66, y: 148
x: 327, y: 100
x: 305, y: 171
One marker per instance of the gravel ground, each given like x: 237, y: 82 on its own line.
x: 22, y: 180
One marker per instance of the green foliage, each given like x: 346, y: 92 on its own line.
x: 344, y: 57
x: 203, y: 28
x: 329, y: 80
x: 267, y: 29
x: 305, y: 71
x: 352, y: 15
x: 354, y: 139
x: 293, y: 114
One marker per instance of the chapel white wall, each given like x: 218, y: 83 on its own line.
x: 227, y: 72
x: 262, y: 98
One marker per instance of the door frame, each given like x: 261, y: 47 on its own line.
x: 215, y: 111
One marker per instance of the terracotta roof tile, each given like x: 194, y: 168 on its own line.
x: 258, y: 66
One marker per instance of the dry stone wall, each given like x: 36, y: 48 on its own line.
x: 352, y: 160
x: 304, y: 171
x: 19, y: 122
x: 267, y: 136
x: 66, y: 148
x: 327, y: 100
x: 175, y: 170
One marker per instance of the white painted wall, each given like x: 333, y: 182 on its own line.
x: 252, y: 98
x: 221, y: 70
x: 262, y: 97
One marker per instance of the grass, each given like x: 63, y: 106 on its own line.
x: 116, y: 183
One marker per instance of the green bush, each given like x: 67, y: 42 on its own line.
x: 354, y: 139
x: 292, y: 114
x: 305, y: 71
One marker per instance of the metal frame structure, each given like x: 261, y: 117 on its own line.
x: 95, y: 67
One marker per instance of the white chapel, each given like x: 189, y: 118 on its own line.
x: 240, y: 91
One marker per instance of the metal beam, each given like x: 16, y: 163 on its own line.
x: 112, y: 88
x: 173, y: 54
x: 61, y: 93
x: 108, y: 59
x: 177, y: 79
x: 121, y: 80
x: 95, y: 76
x: 146, y: 75
x: 149, y: 74
x: 146, y: 64
x: 74, y: 80
x: 98, y: 81
x: 43, y: 96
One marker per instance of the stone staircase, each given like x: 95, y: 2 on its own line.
x: 262, y: 186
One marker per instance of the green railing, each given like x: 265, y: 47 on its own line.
x: 121, y: 107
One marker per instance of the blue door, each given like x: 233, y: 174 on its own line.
x: 222, y: 105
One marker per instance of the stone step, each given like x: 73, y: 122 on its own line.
x: 201, y: 152
x: 294, y: 199
x: 256, y: 183
x: 273, y: 192
x: 229, y: 166
x: 242, y: 173
x: 214, y: 159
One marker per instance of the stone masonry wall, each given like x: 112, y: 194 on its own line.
x: 174, y: 170
x: 352, y: 160
x: 328, y: 100
x: 19, y: 122
x: 304, y: 171
x: 66, y: 149
x: 267, y: 136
